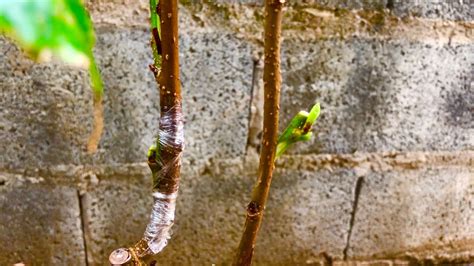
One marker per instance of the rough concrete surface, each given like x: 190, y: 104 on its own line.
x: 131, y: 98
x: 387, y: 180
x: 115, y: 214
x: 211, y: 212
x: 117, y: 12
x: 446, y: 9
x: 407, y: 208
x: 55, y: 126
x: 217, y: 85
x: 401, y: 92
x: 40, y: 222
x: 425, y: 209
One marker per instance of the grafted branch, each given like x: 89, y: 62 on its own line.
x: 164, y: 157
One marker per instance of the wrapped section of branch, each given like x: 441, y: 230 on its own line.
x: 158, y: 230
x: 170, y: 139
x: 171, y: 133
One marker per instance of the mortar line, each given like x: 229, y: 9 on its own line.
x: 83, y: 226
x: 357, y: 190
x: 379, y: 161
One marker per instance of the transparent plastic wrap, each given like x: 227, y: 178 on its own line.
x: 170, y: 138
x: 158, y: 230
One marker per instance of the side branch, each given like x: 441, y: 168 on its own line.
x: 272, y: 84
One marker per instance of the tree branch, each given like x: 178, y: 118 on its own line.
x: 272, y: 84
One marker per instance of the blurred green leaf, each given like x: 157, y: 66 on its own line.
x: 48, y: 29
x: 299, y: 129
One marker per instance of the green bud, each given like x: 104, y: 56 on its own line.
x: 299, y: 129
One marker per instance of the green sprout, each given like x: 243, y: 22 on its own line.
x: 299, y: 129
x: 152, y: 152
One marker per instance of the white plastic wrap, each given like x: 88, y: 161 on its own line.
x: 170, y: 136
x: 171, y: 133
x: 158, y: 230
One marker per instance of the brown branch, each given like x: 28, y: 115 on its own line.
x: 272, y: 84
x: 170, y: 93
x: 98, y: 126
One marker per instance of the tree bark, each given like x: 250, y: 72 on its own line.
x: 170, y: 98
x: 272, y: 84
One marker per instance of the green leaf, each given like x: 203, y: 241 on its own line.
x: 48, y: 29
x: 97, y: 86
x: 155, y: 24
x: 154, y: 17
x: 299, y: 129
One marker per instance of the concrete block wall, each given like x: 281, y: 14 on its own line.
x: 387, y: 180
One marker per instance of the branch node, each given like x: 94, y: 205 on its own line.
x: 154, y: 70
x: 254, y: 209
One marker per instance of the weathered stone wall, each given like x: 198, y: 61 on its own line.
x: 387, y: 180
